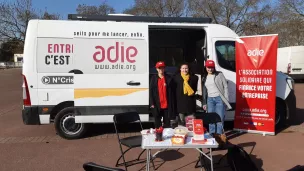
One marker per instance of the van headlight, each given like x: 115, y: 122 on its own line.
x: 290, y: 83
x: 293, y: 84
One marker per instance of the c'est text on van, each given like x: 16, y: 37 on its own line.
x: 58, y: 54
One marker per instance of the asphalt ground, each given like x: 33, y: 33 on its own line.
x: 38, y: 148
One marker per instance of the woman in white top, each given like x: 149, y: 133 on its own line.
x: 215, y: 95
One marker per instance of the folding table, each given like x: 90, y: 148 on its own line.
x: 148, y: 143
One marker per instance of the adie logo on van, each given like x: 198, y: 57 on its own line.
x: 117, y: 53
x: 256, y: 56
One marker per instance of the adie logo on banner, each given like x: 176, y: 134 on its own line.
x: 122, y: 53
x: 255, y: 55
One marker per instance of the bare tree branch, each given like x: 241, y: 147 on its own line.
x: 103, y: 9
x: 14, y: 19
x: 159, y: 8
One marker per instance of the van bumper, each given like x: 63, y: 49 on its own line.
x: 30, y: 116
x: 296, y: 76
x: 291, y: 102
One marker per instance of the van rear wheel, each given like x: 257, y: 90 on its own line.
x: 66, y: 127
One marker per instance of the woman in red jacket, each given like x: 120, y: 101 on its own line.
x: 162, y: 96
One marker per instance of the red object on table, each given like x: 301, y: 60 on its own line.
x: 159, y: 130
x: 198, y: 131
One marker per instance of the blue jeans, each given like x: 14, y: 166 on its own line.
x: 215, y: 104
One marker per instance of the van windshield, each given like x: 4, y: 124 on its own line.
x: 225, y: 52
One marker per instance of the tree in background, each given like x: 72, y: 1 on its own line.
x: 47, y: 16
x: 9, y: 48
x: 245, y: 17
x: 261, y: 21
x: 291, y: 25
x: 14, y: 18
x: 159, y: 8
x: 234, y: 14
x: 102, y: 9
x: 294, y: 7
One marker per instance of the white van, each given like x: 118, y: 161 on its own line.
x: 80, y: 72
x: 291, y: 61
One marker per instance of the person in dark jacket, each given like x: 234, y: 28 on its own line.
x: 162, y: 96
x: 186, y: 86
x: 215, y: 94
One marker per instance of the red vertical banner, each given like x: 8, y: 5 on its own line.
x: 256, y: 62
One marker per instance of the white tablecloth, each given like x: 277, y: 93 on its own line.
x: 148, y: 142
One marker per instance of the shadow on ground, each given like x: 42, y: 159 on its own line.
x: 298, y: 120
x: 167, y: 156
x: 101, y: 129
x: 300, y: 117
x: 297, y: 168
x: 223, y: 165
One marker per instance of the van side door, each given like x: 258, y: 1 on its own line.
x: 111, y: 69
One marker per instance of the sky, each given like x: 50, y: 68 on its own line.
x: 65, y: 7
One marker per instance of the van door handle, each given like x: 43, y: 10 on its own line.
x: 132, y: 83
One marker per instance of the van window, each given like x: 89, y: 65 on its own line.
x: 225, y: 52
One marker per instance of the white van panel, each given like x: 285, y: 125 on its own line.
x: 112, y: 97
x: 283, y: 58
x: 283, y: 88
x: 53, y: 97
x: 109, y: 56
x: 297, y: 60
x: 109, y: 90
x: 293, y: 55
x: 57, y: 28
x: 104, y: 118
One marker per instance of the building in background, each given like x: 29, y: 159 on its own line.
x: 18, y: 58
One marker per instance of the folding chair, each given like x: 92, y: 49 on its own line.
x: 211, y: 118
x: 130, y: 142
x: 239, y: 159
x: 90, y: 166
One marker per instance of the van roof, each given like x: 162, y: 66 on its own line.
x: 50, y: 28
x: 127, y: 18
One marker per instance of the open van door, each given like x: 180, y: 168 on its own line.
x: 224, y: 50
x: 111, y: 70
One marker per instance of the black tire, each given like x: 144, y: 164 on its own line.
x: 281, y: 111
x: 66, y: 127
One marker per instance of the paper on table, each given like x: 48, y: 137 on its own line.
x: 150, y: 141
x: 210, y: 141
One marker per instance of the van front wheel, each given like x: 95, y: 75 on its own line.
x: 281, y: 111
x: 66, y: 127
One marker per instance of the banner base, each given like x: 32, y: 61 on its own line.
x: 254, y: 131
